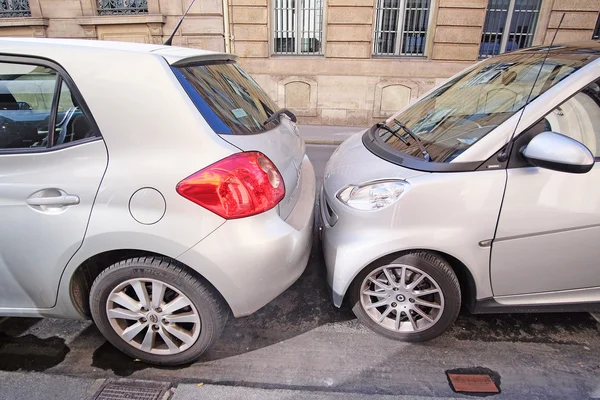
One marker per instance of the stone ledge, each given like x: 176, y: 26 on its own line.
x: 125, y: 19
x: 23, y: 21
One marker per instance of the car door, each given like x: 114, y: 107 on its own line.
x: 48, y: 183
x: 548, y: 235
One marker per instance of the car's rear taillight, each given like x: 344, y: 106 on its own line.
x: 238, y: 186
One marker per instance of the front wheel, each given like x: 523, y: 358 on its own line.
x: 413, y: 298
x: 153, y: 310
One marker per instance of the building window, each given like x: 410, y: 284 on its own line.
x: 516, y: 17
x: 401, y: 27
x: 596, y: 34
x: 298, y: 27
x: 14, y: 8
x: 111, y: 7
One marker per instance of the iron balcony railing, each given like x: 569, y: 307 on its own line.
x: 14, y: 8
x: 112, y: 7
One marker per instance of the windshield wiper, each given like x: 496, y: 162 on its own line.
x: 413, y: 135
x: 277, y: 114
x: 382, y: 125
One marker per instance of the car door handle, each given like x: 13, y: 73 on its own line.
x: 64, y: 200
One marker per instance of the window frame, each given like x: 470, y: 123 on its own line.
x: 297, y: 31
x: 506, y: 32
x: 62, y: 76
x: 399, y: 31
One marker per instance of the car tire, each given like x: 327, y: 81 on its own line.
x: 173, y: 336
x: 397, y: 323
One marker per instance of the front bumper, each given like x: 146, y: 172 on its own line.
x: 350, y: 240
x: 250, y: 261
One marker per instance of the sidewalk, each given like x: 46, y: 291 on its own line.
x: 40, y: 386
x: 324, y: 134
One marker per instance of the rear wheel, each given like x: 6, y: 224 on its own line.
x: 153, y: 310
x: 414, y: 297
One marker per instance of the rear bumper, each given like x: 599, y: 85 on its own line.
x: 250, y: 261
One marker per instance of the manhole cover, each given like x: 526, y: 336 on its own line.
x: 136, y: 390
x: 477, y: 381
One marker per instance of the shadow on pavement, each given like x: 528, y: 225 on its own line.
x: 305, y: 306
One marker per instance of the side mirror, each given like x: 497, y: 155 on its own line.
x: 558, y: 152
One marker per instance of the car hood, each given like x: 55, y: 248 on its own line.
x: 352, y: 164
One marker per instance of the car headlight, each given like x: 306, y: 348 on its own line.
x: 373, y: 195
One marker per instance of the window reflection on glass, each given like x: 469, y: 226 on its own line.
x: 462, y: 111
x: 233, y: 96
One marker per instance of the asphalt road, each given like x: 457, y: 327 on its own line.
x: 300, y: 342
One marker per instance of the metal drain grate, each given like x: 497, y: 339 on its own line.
x: 135, y: 390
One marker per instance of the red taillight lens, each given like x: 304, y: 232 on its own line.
x: 238, y: 186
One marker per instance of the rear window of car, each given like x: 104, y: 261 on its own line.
x: 228, y: 98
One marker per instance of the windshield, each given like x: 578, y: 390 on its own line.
x: 456, y: 115
x: 236, y: 103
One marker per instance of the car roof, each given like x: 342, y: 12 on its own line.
x: 582, y: 47
x: 42, y: 47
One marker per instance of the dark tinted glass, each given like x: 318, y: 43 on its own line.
x: 236, y: 99
x: 26, y: 93
x: 71, y: 123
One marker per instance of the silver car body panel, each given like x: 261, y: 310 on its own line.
x: 548, y: 232
x: 155, y: 138
x: 416, y: 221
x: 588, y: 295
x: 40, y: 240
x: 264, y: 254
x: 457, y: 213
x: 548, y: 146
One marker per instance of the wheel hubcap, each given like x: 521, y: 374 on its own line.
x: 402, y: 298
x: 153, y: 316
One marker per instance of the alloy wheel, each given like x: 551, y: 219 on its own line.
x: 153, y: 316
x: 402, y: 298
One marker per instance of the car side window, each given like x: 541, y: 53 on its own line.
x: 26, y: 93
x: 579, y: 118
x: 71, y: 122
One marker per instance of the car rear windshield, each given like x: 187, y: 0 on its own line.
x: 459, y: 113
x: 228, y: 98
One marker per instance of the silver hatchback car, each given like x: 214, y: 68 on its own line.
x: 485, y: 192
x: 153, y: 188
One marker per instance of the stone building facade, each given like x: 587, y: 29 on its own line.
x: 335, y: 62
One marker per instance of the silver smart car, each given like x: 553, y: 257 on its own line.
x: 153, y: 188
x: 485, y: 192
